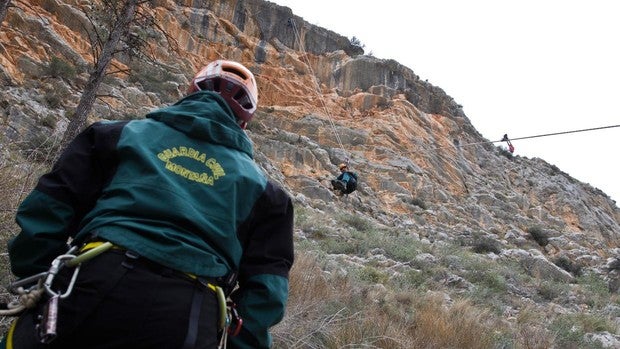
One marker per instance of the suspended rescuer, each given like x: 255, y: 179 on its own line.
x: 187, y: 212
x: 346, y: 182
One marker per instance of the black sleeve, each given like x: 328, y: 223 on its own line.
x: 267, y: 236
x: 51, y: 213
x: 83, y: 169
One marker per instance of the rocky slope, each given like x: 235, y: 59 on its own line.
x: 322, y: 102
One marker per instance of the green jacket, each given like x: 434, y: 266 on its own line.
x: 180, y: 188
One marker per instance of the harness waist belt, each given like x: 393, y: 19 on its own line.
x: 161, y: 269
x: 154, y: 266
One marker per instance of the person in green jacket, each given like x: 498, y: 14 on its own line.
x: 188, y: 213
x: 346, y: 182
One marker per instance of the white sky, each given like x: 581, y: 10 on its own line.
x: 524, y: 68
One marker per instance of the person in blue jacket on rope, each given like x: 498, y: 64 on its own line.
x: 346, y: 182
x: 191, y: 219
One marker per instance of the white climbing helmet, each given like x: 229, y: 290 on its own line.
x: 234, y: 82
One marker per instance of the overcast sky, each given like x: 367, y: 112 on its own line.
x: 525, y: 68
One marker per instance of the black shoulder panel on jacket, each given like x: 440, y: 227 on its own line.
x: 267, y: 236
x: 85, y: 167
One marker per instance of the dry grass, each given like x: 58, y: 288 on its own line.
x: 460, y: 325
x: 336, y: 312
x: 333, y: 311
x: 532, y: 337
x: 17, y: 178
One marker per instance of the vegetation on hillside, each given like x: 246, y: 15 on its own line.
x: 359, y: 284
x: 444, y: 296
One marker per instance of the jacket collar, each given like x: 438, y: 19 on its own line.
x: 205, y: 115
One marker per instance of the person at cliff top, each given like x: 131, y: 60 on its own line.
x: 187, y: 211
x: 346, y: 182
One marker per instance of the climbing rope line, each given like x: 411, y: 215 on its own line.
x: 529, y: 137
x: 318, y: 87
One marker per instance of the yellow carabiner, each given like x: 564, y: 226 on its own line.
x: 90, y: 253
x: 221, y: 300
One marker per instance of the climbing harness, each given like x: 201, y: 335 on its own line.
x: 229, y: 323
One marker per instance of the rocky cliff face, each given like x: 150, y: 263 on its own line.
x: 322, y: 102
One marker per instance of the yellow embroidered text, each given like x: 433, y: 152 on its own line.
x: 216, y: 169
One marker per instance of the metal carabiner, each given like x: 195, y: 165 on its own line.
x: 34, y: 279
x: 71, y: 260
x: 57, y: 265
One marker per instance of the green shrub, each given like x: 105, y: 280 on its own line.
x: 595, y: 290
x: 568, y: 265
x: 486, y: 245
x: 41, y: 148
x: 357, y: 222
x: 539, y: 235
x: 569, y: 329
x: 401, y: 248
x: 548, y: 290
x: 302, y: 217
x: 490, y: 279
x: 156, y: 79
x: 49, y: 121
x: 413, y: 279
x: 59, y: 68
x: 338, y: 245
x: 371, y: 275
x: 306, y: 220
x: 356, y: 42
x: 53, y: 100
x: 419, y: 202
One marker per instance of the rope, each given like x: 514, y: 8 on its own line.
x: 27, y: 299
x: 318, y: 87
x: 529, y: 137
